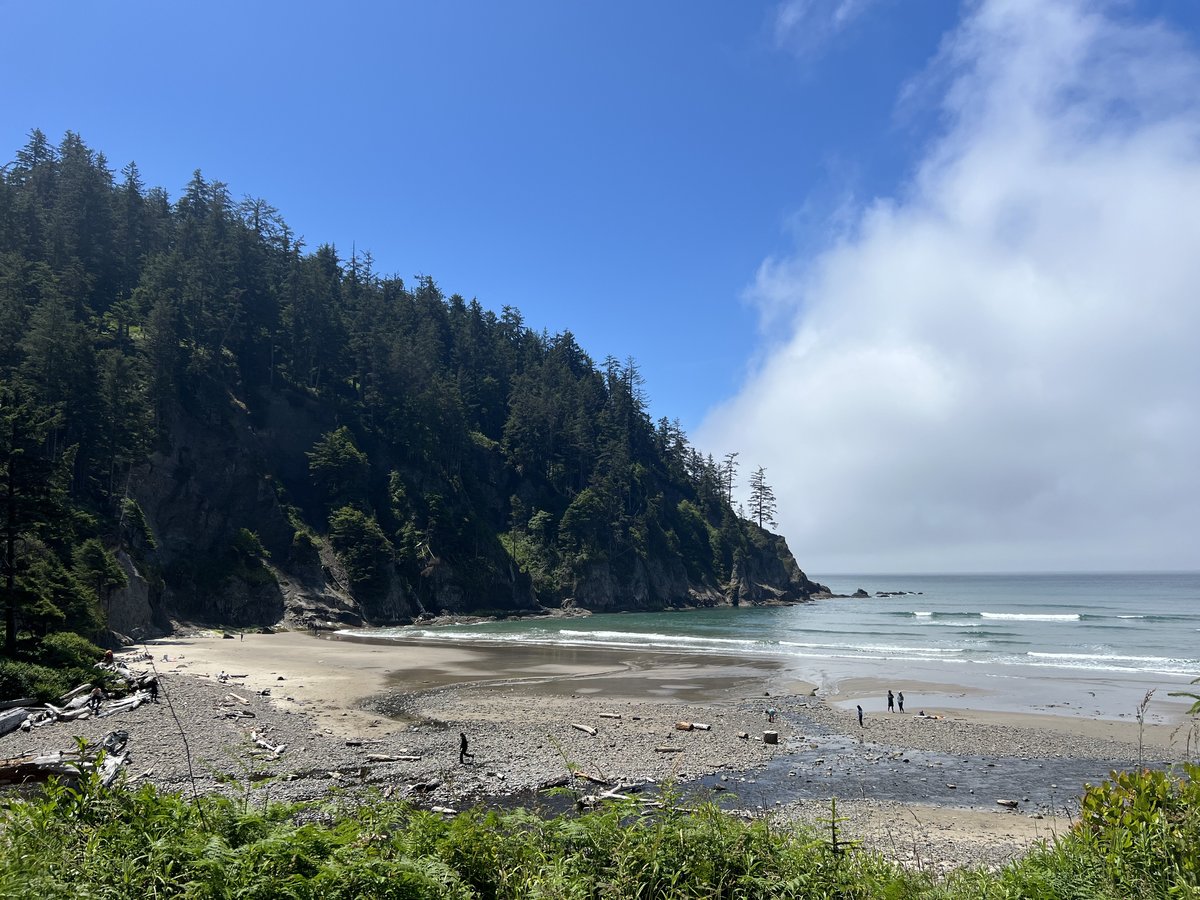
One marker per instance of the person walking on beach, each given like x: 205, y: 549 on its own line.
x: 900, y: 700
x: 891, y: 702
x: 860, y: 721
x: 463, y: 755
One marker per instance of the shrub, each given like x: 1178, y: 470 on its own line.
x: 1145, y: 827
x: 304, y: 549
x: 24, y: 679
x: 64, y: 649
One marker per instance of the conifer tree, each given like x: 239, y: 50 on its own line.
x: 762, y: 499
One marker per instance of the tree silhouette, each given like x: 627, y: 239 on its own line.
x: 762, y: 499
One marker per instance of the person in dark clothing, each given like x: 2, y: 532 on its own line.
x: 891, y: 702
x: 463, y: 755
x: 900, y: 700
x: 860, y: 721
x: 152, y: 687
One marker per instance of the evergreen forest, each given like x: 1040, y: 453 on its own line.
x: 201, y: 418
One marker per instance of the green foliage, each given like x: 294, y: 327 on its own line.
x: 89, y: 842
x: 61, y: 661
x: 339, y: 469
x: 1137, y: 838
x: 362, y: 548
x: 304, y: 549
x: 1145, y: 827
x: 97, y: 567
x: 63, y: 649
x: 248, y: 546
x: 583, y: 523
x: 1194, y: 709
x: 26, y: 679
x: 135, y: 521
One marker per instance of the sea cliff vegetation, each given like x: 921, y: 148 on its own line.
x: 202, y: 419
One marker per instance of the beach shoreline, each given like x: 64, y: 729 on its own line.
x: 386, y: 716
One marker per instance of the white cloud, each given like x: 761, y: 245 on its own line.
x: 805, y: 26
x: 999, y: 367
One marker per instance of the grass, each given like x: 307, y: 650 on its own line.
x: 1137, y: 837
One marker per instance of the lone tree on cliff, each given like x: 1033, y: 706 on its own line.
x: 728, y: 473
x: 762, y: 499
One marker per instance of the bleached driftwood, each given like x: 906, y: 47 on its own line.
x: 594, y: 779
x: 610, y: 715
x: 11, y: 719
x: 69, y: 765
x: 133, y: 701
x: 71, y: 694
x: 586, y: 729
x: 276, y: 750
x: 383, y: 757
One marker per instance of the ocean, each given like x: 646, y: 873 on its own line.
x: 1008, y: 642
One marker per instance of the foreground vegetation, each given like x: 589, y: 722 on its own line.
x: 1137, y: 837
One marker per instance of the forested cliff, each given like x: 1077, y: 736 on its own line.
x: 203, y: 420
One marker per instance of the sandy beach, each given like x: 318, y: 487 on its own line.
x: 356, y: 715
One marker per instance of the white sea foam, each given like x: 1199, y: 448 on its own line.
x: 636, y: 637
x: 870, y: 648
x: 1032, y: 617
x: 1107, y: 657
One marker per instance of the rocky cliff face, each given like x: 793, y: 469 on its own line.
x: 767, y: 573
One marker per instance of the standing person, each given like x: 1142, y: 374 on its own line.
x: 860, y: 721
x: 463, y: 755
x: 891, y: 702
x: 900, y: 700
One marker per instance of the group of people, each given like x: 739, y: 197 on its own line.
x: 892, y: 700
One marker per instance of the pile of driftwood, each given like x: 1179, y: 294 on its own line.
x: 68, y: 766
x: 84, y: 702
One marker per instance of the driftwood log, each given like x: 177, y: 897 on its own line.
x: 276, y: 750
x: 383, y: 757
x: 11, y: 719
x: 594, y: 779
x: 586, y: 729
x: 69, y: 765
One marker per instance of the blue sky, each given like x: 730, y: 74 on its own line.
x: 771, y: 206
